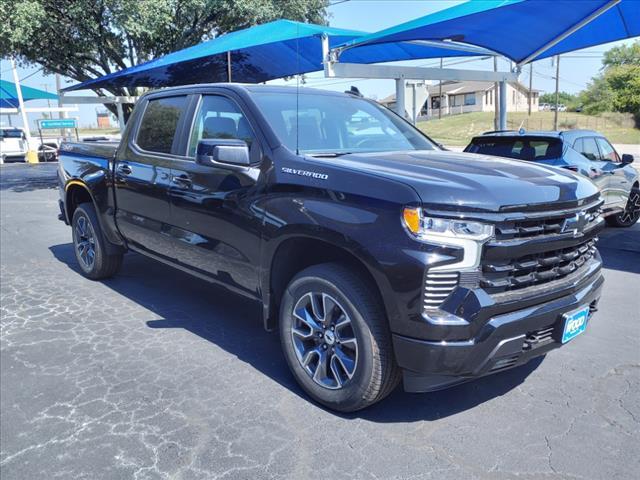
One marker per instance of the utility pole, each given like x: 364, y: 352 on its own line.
x: 440, y: 95
x: 530, y: 86
x: 61, y: 114
x: 555, y: 116
x: 496, y: 96
x: 46, y: 89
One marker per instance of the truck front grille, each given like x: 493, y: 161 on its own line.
x: 534, y: 227
x: 437, y: 287
x: 505, y: 275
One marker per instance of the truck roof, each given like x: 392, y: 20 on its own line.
x: 250, y: 88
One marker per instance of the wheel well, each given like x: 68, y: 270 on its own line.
x: 295, y: 255
x: 76, y: 194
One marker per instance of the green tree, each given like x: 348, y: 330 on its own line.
x: 86, y: 39
x: 622, y: 55
x: 565, y: 98
x: 617, y: 88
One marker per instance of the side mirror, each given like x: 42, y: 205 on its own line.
x: 627, y: 158
x: 213, y: 152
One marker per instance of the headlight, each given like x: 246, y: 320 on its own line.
x: 425, y: 228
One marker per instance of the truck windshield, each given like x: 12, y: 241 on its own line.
x: 519, y: 147
x: 316, y: 123
x: 11, y: 133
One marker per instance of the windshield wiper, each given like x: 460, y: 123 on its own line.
x: 328, y: 154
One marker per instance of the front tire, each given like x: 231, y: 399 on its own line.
x: 631, y: 213
x: 89, y: 245
x: 336, y: 339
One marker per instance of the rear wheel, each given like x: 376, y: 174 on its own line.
x: 89, y: 245
x: 336, y: 338
x: 631, y: 213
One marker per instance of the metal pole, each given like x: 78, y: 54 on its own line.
x: 400, y: 96
x: 496, y: 97
x: 503, y: 105
x: 530, y: 87
x: 440, y: 95
x: 229, y: 66
x: 555, y: 116
x: 23, y: 113
x: 32, y: 157
x: 120, y: 117
x: 415, y: 104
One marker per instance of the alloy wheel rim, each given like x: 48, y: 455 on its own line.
x: 324, y: 340
x: 85, y: 242
x: 632, y: 210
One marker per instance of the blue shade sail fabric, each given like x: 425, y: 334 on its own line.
x: 264, y: 52
x: 518, y: 28
x: 9, y: 95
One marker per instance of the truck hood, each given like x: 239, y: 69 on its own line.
x: 473, y: 181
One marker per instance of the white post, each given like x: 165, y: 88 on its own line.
x: 400, y: 96
x: 503, y: 105
x: 32, y: 157
x: 415, y: 104
x: 23, y: 113
x: 120, y: 117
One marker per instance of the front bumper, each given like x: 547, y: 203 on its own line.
x: 505, y: 341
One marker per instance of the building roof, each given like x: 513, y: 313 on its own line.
x: 458, y: 88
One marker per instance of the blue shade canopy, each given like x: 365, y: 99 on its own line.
x: 9, y: 96
x: 264, y: 52
x: 518, y: 29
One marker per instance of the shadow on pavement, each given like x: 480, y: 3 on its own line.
x: 27, y: 177
x: 234, y: 323
x: 620, y: 248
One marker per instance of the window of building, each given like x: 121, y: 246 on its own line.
x: 470, y: 99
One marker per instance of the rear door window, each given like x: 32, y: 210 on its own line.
x: 159, y: 123
x: 521, y: 148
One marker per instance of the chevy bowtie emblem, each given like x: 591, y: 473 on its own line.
x: 575, y: 224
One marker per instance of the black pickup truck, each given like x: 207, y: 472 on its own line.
x: 376, y: 254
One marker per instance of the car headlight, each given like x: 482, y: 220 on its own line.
x: 426, y: 228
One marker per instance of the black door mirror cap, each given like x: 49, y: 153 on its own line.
x: 223, y: 152
x: 627, y: 158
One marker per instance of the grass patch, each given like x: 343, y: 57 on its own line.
x: 459, y: 129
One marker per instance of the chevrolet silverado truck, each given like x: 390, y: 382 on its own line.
x: 377, y: 255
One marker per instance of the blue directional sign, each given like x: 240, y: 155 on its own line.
x: 60, y: 123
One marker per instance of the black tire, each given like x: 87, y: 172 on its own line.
x: 375, y: 373
x: 631, y: 213
x: 101, y: 264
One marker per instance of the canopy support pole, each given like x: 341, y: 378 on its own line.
x: 400, y: 96
x: 229, y: 66
x: 120, y: 116
x: 570, y: 31
x: 503, y: 106
x: 32, y: 157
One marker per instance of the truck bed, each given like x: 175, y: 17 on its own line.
x: 105, y: 149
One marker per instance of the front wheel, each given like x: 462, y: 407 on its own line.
x: 631, y: 213
x: 89, y: 245
x: 336, y: 339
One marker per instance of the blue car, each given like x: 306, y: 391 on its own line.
x: 585, y: 152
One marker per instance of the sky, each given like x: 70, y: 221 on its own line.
x: 576, y: 69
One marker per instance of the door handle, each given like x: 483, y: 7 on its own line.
x: 125, y: 169
x: 182, y: 180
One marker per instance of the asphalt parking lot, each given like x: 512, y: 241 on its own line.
x: 155, y: 374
